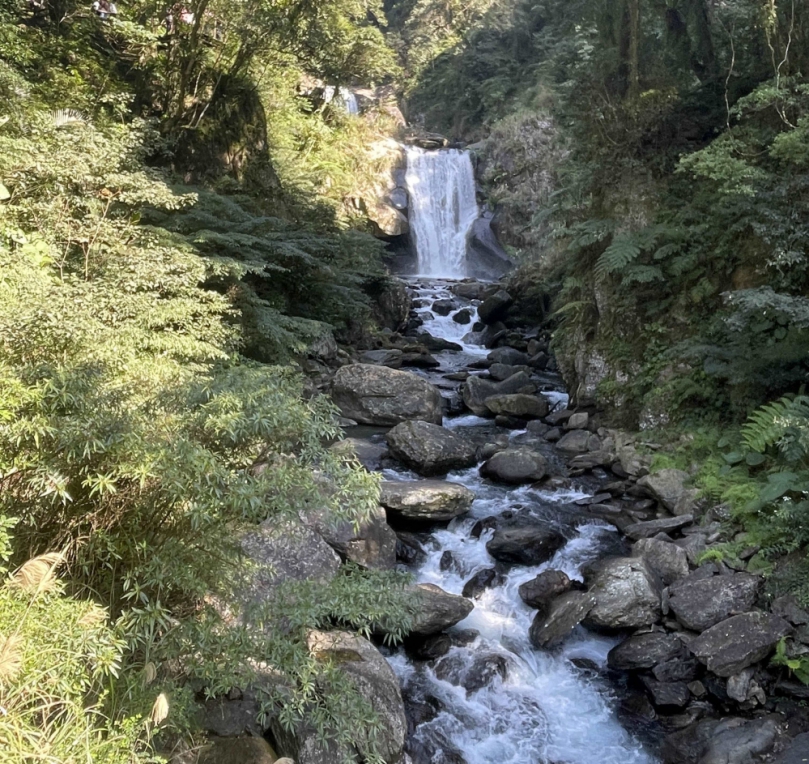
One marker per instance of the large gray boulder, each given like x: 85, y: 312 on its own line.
x: 649, y: 528
x: 391, y: 303
x: 427, y: 500
x: 496, y: 307
x: 797, y: 752
x: 371, y: 545
x: 729, y: 741
x: 430, y: 449
x: 564, y: 614
x: 436, y: 610
x: 515, y: 466
x: 627, y: 594
x: 666, y: 486
x: 518, y: 405
x: 476, y: 390
x: 738, y: 642
x: 378, y: 395
x: 701, y: 603
x: 371, y: 677
x: 578, y: 442
x: 664, y: 558
x: 281, y: 552
x: 525, y: 544
x: 644, y: 651
x: 508, y: 357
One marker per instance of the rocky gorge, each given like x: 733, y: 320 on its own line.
x: 565, y: 605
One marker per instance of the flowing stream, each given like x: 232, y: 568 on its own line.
x: 443, y: 208
x: 534, y: 707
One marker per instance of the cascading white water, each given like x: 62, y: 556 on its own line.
x: 443, y: 208
x: 342, y: 96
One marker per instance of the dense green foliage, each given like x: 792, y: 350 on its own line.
x: 173, y: 229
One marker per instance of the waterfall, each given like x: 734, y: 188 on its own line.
x: 443, y: 209
x: 343, y: 97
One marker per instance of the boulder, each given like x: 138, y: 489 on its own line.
x: 496, y: 307
x: 578, y: 421
x: 476, y: 390
x: 564, y: 614
x: 664, y: 558
x: 738, y: 642
x: 729, y: 741
x: 444, y: 307
x: 796, y: 752
x: 650, y: 528
x: 363, y: 667
x: 515, y: 466
x: 578, y: 442
x: 437, y: 610
x: 501, y: 371
x: 371, y: 545
x: 438, y: 344
x: 539, y: 591
x: 666, y: 486
x: 480, y: 582
x: 644, y: 651
x: 369, y: 454
x: 430, y: 449
x: 380, y: 396
x: 391, y: 358
x: 426, y: 500
x: 518, y: 405
x: 391, y: 303
x: 474, y: 675
x: 507, y: 356
x: 463, y: 317
x: 699, y: 604
x: 529, y: 544
x: 470, y: 290
x: 627, y: 594
x: 667, y: 695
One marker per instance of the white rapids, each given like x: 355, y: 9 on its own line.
x: 552, y: 707
x: 443, y: 208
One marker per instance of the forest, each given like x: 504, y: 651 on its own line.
x: 190, y: 248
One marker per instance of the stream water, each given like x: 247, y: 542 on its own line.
x: 549, y: 707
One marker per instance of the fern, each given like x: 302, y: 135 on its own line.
x: 65, y: 117
x: 643, y: 274
x: 783, y: 424
x: 623, y: 251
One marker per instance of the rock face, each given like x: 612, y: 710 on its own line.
x: 666, y: 486
x: 644, y: 651
x: 430, y: 449
x: 515, y: 466
x: 476, y: 390
x: 699, y: 604
x: 539, y: 591
x: 525, y: 544
x: 738, y: 642
x: 627, y: 594
x: 436, y: 610
x: 669, y: 561
x: 372, y: 545
x: 522, y: 406
x: 564, y: 614
x: 391, y: 303
x: 427, y: 500
x: 377, y: 395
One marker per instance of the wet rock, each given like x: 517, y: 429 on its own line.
x: 486, y: 524
x: 738, y: 642
x: 564, y: 614
x: 430, y: 648
x: 664, y: 558
x: 666, y: 486
x: 500, y: 371
x: 437, y: 344
x: 578, y: 421
x: 699, y: 604
x: 463, y: 317
x: 515, y: 466
x: 480, y: 582
x: 391, y: 358
x: 650, y: 528
x: 627, y: 594
x: 420, y: 361
x: 667, y: 695
x: 517, y: 405
x: 380, y: 396
x: 524, y: 544
x: 644, y: 651
x: 444, y: 307
x: 409, y: 549
x: 426, y: 500
x: 680, y: 669
x: 578, y: 442
x: 559, y: 417
x: 507, y: 356
x: 538, y: 428
x: 437, y: 610
x: 508, y: 423
x: 729, y: 741
x: 796, y: 752
x: 495, y: 308
x: 539, y: 591
x: 430, y: 449
x: 371, y: 545
x: 448, y: 563
x: 476, y: 390
x: 470, y: 290
x: 474, y: 675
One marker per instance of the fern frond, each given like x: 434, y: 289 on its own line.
x: 623, y: 250
x: 783, y: 423
x: 64, y: 117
